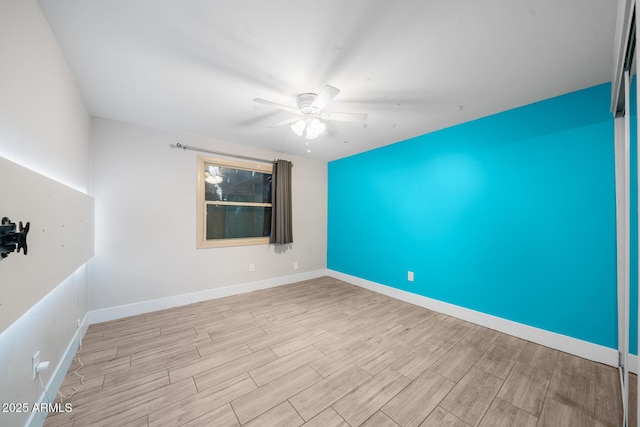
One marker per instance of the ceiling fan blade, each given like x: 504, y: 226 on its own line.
x: 284, y: 123
x: 344, y: 117
x: 274, y: 105
x: 324, y: 97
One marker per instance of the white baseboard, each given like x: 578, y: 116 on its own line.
x: 119, y: 312
x: 36, y: 419
x: 633, y: 363
x: 554, y: 340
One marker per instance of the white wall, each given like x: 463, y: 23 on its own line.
x: 43, y: 121
x: 145, y: 237
x: 44, y: 127
x: 60, y: 238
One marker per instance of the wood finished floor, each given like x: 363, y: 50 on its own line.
x: 326, y: 353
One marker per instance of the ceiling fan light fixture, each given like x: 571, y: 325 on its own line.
x: 298, y: 127
x: 315, y: 128
x: 310, y: 110
x: 310, y: 128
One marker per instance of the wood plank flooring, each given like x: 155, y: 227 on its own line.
x: 326, y: 353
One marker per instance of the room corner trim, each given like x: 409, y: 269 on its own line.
x: 577, y: 347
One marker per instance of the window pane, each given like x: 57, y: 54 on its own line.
x: 234, y: 222
x: 236, y: 185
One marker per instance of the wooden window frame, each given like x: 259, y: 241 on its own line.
x: 201, y: 208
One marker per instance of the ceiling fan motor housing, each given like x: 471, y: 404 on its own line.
x: 304, y: 103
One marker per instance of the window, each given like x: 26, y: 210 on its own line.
x: 234, y: 203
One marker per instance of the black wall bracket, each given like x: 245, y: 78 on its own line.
x: 11, y: 239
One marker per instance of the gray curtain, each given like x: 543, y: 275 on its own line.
x: 281, y: 224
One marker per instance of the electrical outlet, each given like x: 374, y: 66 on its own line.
x: 78, y: 323
x: 42, y: 366
x: 252, y: 267
x: 295, y: 265
x: 410, y: 276
x: 35, y: 361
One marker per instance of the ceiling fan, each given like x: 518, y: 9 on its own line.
x: 310, y: 111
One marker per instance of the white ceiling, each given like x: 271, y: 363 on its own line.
x: 413, y: 66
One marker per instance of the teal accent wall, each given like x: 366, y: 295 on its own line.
x: 512, y: 215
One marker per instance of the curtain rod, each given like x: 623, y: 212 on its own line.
x: 221, y: 153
